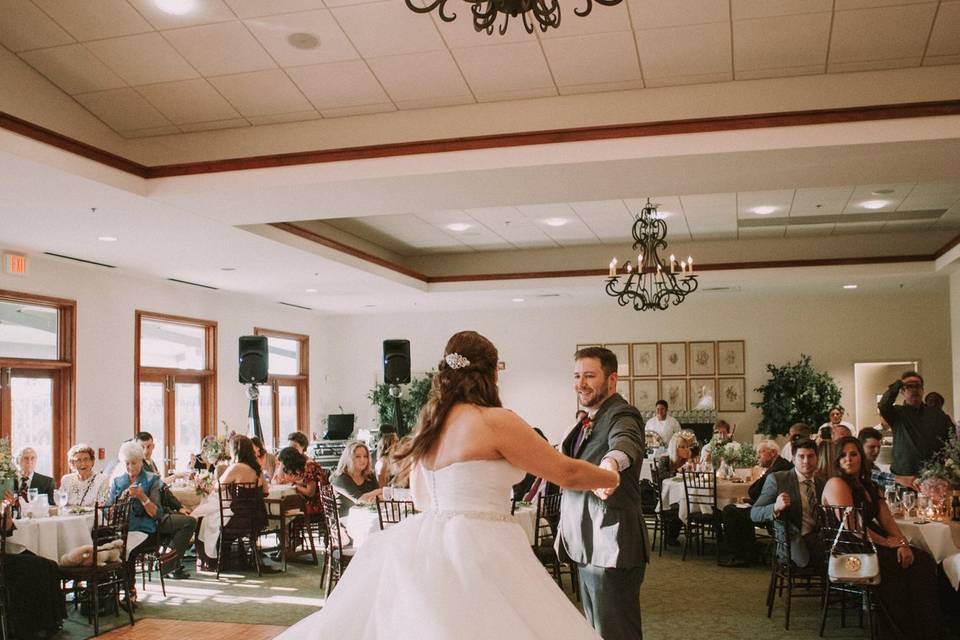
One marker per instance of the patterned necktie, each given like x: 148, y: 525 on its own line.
x: 24, y: 487
x: 809, y: 520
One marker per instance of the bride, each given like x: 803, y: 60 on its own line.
x: 463, y: 568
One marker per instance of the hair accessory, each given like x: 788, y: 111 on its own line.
x: 456, y: 361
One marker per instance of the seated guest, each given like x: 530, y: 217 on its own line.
x: 403, y: 464
x: 143, y: 487
x: 268, y: 462
x: 661, y: 423
x: 298, y: 440
x: 679, y: 455
x: 306, y: 476
x: 245, y: 467
x: 909, y: 603
x: 28, y: 478
x: 798, y: 431
x: 35, y: 606
x: 738, y: 528
x: 147, y: 442
x: 84, y: 487
x: 871, y: 440
x: 836, y: 421
x: 354, y: 479
x: 388, y: 440
x: 722, y: 434
x: 791, y: 499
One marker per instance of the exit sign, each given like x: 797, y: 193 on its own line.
x: 15, y: 263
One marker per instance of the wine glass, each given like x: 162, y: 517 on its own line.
x: 891, y: 497
x: 61, y: 498
x: 923, y: 501
x: 909, y: 499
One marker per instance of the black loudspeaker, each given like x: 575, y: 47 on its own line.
x: 396, y: 361
x: 253, y: 359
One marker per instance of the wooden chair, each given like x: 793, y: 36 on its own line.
x: 243, y: 516
x: 651, y: 511
x: 853, y: 539
x: 338, y: 555
x: 785, y: 575
x: 703, y: 517
x: 156, y: 557
x: 544, y: 538
x: 110, y: 523
x: 282, y: 512
x: 393, y: 511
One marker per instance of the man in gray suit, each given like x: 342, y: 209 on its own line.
x: 603, y: 532
x: 791, y: 499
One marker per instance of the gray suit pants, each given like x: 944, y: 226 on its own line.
x: 176, y: 530
x: 611, y: 600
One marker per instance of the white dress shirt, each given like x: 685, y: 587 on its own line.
x: 666, y: 427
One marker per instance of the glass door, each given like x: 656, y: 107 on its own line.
x: 30, y: 398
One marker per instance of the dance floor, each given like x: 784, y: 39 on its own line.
x: 157, y: 629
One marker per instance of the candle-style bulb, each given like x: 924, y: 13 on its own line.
x: 629, y: 267
x: 690, y: 264
x: 673, y: 263
x: 613, y: 268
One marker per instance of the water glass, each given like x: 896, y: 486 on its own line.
x: 923, y: 502
x: 32, y: 494
x: 61, y: 497
x: 388, y: 493
x: 891, y: 496
x: 908, y: 500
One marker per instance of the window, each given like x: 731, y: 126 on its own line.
x: 285, y: 403
x: 176, y: 383
x: 37, y: 376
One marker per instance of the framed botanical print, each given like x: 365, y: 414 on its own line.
x: 623, y: 388
x: 703, y: 360
x: 731, y: 394
x: 644, y: 359
x: 645, y: 394
x: 674, y: 391
x: 703, y: 393
x: 730, y: 358
x: 622, y: 351
x: 673, y: 359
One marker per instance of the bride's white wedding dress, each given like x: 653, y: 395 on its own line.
x: 461, y: 569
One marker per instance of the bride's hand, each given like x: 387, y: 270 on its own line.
x: 613, y: 468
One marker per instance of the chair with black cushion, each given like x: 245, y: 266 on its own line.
x: 338, y: 555
x: 393, y: 511
x: 650, y: 497
x: 110, y: 524
x: 703, y: 517
x: 852, y: 539
x: 798, y: 582
x: 243, y: 517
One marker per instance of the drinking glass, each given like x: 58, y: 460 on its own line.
x: 923, y: 501
x: 388, y: 493
x: 909, y: 499
x: 61, y: 498
x: 891, y: 496
x: 32, y: 494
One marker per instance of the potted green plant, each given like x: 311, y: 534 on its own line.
x: 795, y: 392
x: 8, y: 470
x: 412, y: 398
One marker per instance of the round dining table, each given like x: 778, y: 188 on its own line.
x: 940, y: 539
x: 53, y: 536
x: 728, y: 492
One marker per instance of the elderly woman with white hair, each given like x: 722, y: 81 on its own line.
x: 84, y: 487
x: 354, y: 478
x: 143, y: 487
x: 737, y: 526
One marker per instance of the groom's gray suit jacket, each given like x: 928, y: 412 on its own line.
x: 608, y: 533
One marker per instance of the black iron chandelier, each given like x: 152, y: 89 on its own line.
x: 542, y: 13
x: 652, y: 284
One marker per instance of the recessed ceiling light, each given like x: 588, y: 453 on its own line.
x: 882, y: 192
x: 764, y: 211
x: 228, y: 268
x: 176, y: 7
x: 850, y: 286
x: 303, y: 40
x: 874, y: 204
x: 458, y: 226
x: 310, y: 290
x: 107, y: 238
x: 518, y: 299
x: 555, y: 222
x: 662, y: 215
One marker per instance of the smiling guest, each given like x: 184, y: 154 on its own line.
x: 28, y: 478
x: 354, y: 479
x: 84, y: 487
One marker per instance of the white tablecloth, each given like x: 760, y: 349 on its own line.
x: 53, y: 536
x: 937, y: 539
x: 727, y: 493
x: 209, y: 513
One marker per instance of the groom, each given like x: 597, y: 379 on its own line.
x: 603, y: 532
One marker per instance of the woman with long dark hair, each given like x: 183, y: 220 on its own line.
x: 464, y: 549
x: 909, y: 603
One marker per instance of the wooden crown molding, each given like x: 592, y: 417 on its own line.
x: 659, y: 128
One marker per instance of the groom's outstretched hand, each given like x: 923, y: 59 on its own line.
x: 610, y: 465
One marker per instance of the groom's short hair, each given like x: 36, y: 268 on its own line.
x: 607, y: 358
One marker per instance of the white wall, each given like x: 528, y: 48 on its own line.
x: 537, y: 344
x: 955, y: 343
x: 106, y: 302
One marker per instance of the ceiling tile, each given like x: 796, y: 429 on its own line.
x: 339, y: 84
x: 601, y: 20
x: 685, y: 51
x: 935, y: 190
x: 23, y: 26
x: 143, y: 59
x: 168, y: 130
x: 273, y: 32
x: 220, y: 49
x: 233, y: 123
x: 580, y: 60
x: 444, y: 217
x: 188, y: 101
x: 416, y: 77
x: 761, y: 232
x: 262, y: 93
x: 747, y: 9
x: 387, y: 28
x: 844, y: 5
x: 863, y: 35
x: 710, y: 204
x: 945, y: 38
x: 865, y: 193
x: 730, y: 234
x: 280, y: 118
x: 123, y: 109
x: 504, y: 68
x: 748, y: 200
x: 806, y: 230
x: 783, y: 41
x: 257, y: 8
x: 358, y: 110
x: 602, y: 209
x: 820, y: 201
x: 201, y: 12
x: 73, y: 69
x: 654, y: 14
x: 95, y: 19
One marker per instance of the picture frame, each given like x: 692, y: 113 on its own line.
x: 623, y: 388
x: 699, y: 389
x: 622, y: 351
x: 674, y: 391
x: 730, y: 358
x: 645, y: 359
x: 673, y: 359
x: 732, y: 394
x: 703, y: 359
x: 645, y: 394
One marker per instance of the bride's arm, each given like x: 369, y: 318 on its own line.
x: 418, y: 488
x: 522, y: 447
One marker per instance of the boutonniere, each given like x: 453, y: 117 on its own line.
x: 587, y: 428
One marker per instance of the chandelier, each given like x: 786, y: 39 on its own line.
x: 652, y: 284
x: 542, y: 13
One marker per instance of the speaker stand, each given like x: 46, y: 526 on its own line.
x: 398, y: 417
x: 253, y: 414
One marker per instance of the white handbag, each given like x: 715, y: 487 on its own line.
x: 853, y: 568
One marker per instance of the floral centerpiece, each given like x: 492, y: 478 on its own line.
x: 940, y: 475
x: 216, y: 448
x: 8, y: 470
x: 203, y: 483
x: 732, y: 455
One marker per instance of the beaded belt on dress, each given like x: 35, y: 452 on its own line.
x: 446, y: 514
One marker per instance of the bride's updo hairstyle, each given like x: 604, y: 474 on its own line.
x: 467, y: 373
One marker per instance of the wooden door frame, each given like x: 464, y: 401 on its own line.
x: 301, y: 381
